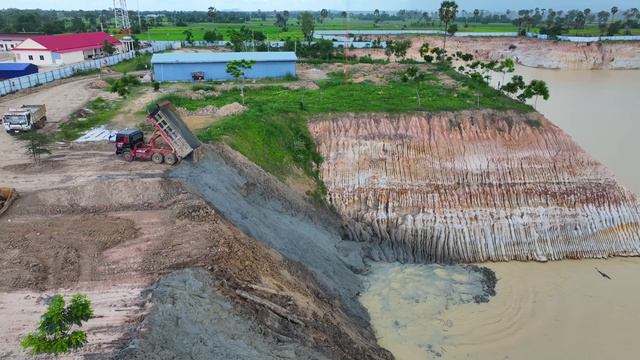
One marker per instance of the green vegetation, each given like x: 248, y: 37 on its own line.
x: 100, y: 111
x: 123, y: 85
x: 142, y: 61
x: 35, y: 144
x: 236, y: 69
x: 54, y: 335
x: 273, y: 133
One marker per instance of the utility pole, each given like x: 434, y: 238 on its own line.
x: 139, y: 21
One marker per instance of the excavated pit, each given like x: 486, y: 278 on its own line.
x: 472, y: 186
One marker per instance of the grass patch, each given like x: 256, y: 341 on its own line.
x: 273, y: 131
x: 140, y: 62
x: 100, y: 112
x: 86, y: 72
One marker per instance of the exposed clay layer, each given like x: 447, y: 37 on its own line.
x: 533, y: 52
x: 472, y: 186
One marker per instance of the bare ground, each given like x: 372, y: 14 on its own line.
x: 88, y: 222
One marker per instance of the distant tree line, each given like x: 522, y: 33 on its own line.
x: 548, y: 21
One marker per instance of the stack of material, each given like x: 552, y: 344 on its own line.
x: 473, y: 186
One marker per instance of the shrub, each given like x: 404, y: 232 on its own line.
x: 54, y: 335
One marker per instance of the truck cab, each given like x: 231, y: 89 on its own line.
x: 128, y: 139
x: 17, y: 120
x: 26, y: 118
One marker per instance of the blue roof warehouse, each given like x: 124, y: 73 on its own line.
x: 13, y: 70
x: 180, y: 66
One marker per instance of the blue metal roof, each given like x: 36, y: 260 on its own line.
x: 224, y: 57
x: 14, y: 66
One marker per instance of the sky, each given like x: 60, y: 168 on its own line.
x: 318, y: 4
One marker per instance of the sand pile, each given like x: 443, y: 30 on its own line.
x: 99, y: 84
x: 309, y: 85
x: 210, y: 110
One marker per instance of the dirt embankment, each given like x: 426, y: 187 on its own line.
x: 533, y: 53
x: 114, y: 228
x: 266, y: 209
x: 472, y: 186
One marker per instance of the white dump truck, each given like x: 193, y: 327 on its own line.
x: 26, y: 118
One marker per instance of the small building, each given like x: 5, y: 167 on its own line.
x: 10, y: 41
x: 13, y: 70
x: 47, y: 50
x: 182, y: 66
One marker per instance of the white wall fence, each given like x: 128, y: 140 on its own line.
x: 588, y: 38
x: 346, y: 35
x: 343, y: 42
x: 28, y: 81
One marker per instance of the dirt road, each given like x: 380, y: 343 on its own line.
x: 60, y: 100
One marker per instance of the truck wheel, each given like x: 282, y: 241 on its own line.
x: 170, y: 159
x: 128, y: 156
x: 157, y: 158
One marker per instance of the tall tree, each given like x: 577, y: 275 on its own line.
x: 237, y: 69
x: 323, y: 14
x: 188, y: 36
x: 447, y: 13
x: 476, y: 12
x: 211, y: 13
x: 307, y: 25
x: 414, y: 75
x: 614, y: 11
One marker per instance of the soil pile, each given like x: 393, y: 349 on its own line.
x: 473, y: 186
x: 266, y: 209
x: 191, y: 319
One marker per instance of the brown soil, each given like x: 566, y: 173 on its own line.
x: 474, y: 179
x: 531, y: 52
x: 89, y: 222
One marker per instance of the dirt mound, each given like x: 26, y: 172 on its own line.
x: 99, y: 196
x: 196, y: 210
x: 230, y: 109
x: 221, y: 331
x: 202, y: 94
x: 306, y: 72
x: 309, y: 85
x: 99, y: 84
x: 271, y: 212
x: 226, y: 110
x: 207, y: 110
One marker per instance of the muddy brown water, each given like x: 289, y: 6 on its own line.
x: 562, y: 309
x: 599, y: 109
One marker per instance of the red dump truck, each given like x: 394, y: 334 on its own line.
x: 171, y: 142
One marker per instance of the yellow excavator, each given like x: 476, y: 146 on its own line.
x: 7, y: 197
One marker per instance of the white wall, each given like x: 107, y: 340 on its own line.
x: 7, y: 45
x: 46, y: 60
x: 72, y: 57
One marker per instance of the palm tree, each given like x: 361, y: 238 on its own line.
x: 447, y: 13
x: 614, y: 10
x: 476, y: 12
x: 323, y: 14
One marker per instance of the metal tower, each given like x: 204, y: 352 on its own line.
x: 122, y: 16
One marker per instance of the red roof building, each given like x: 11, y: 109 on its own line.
x: 9, y: 41
x: 63, y: 49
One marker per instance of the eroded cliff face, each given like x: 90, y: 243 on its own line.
x: 533, y: 52
x: 472, y: 186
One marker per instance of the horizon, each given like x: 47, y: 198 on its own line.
x: 308, y: 5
